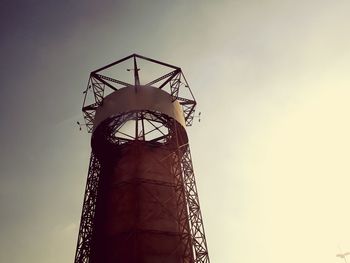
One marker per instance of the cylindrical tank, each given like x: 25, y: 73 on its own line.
x: 137, y: 138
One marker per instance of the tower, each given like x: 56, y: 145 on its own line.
x: 141, y: 203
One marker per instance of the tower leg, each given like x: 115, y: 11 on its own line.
x: 194, y: 213
x: 84, y: 245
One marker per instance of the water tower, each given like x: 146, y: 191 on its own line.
x: 141, y: 203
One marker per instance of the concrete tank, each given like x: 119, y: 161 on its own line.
x: 139, y: 216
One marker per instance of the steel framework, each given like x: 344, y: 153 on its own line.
x: 153, y: 128
x: 101, y: 82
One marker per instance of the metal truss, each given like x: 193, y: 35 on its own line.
x: 101, y: 83
x: 182, y: 204
x: 195, y: 220
x: 146, y: 125
x: 85, y: 237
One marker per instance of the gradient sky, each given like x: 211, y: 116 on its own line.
x: 271, y: 153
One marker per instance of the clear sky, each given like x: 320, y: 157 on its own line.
x: 271, y: 154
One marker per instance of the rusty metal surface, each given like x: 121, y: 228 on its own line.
x: 137, y: 210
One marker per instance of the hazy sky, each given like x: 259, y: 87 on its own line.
x: 271, y: 154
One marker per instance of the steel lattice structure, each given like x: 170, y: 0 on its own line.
x: 99, y: 83
x: 142, y: 129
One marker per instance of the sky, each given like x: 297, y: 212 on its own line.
x: 271, y: 153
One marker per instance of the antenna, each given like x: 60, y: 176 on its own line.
x: 198, y: 116
x: 80, y: 125
x: 136, y: 74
